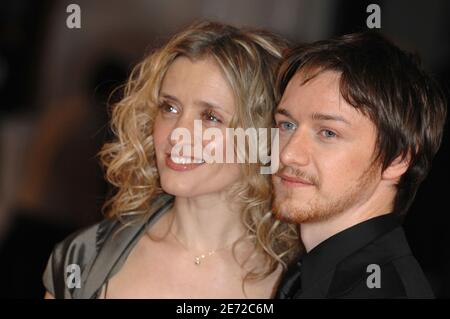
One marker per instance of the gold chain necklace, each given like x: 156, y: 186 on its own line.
x: 198, y: 258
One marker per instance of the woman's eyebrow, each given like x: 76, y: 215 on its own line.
x: 169, y: 97
x: 208, y: 104
x: 201, y: 103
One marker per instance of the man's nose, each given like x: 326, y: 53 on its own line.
x: 297, y: 150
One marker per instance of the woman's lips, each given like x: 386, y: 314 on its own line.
x: 290, y: 181
x: 179, y: 163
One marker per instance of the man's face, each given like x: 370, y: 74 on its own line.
x: 326, y: 152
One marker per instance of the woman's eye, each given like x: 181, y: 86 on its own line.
x: 210, y: 116
x: 328, y: 134
x: 167, y: 108
x: 285, y: 126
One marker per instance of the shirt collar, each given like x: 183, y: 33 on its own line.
x: 324, y: 257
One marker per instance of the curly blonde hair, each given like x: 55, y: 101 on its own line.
x: 249, y: 60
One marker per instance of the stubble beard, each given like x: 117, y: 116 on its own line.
x: 287, y: 208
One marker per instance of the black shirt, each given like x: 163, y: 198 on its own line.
x: 369, y: 260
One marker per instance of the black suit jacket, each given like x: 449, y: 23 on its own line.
x: 369, y: 260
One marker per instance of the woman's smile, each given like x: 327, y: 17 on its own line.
x: 182, y: 163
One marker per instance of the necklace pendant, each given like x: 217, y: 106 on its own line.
x: 197, y: 260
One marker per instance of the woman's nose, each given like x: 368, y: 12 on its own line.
x: 189, y: 129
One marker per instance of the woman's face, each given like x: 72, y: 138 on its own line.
x: 193, y: 90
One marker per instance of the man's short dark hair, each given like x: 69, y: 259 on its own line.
x: 387, y: 85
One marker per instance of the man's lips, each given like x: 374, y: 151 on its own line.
x: 294, y: 181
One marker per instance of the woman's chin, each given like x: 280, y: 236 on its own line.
x: 179, y: 190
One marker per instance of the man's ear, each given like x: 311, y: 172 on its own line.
x: 397, y: 168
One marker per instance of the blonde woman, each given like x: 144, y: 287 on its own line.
x: 177, y: 226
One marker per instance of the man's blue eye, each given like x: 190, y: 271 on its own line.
x: 328, y: 134
x: 285, y: 126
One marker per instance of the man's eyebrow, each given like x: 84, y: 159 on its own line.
x: 329, y: 117
x: 284, y: 112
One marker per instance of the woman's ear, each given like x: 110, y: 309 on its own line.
x: 397, y: 168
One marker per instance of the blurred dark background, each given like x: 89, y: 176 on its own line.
x: 55, y: 83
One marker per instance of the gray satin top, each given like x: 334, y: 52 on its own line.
x: 99, y: 251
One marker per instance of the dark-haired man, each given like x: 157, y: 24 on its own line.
x: 359, y: 124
